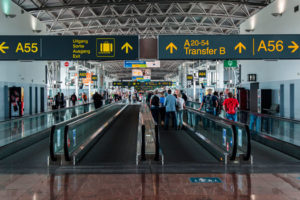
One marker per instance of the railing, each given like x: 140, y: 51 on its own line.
x: 80, y: 135
x: 141, y: 143
x: 42, y: 113
x: 277, y: 128
x: 241, y: 131
x: 57, y: 130
x: 222, y: 137
x: 152, y: 141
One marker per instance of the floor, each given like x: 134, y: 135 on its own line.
x: 149, y: 186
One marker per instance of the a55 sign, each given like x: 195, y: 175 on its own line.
x: 24, y: 48
x: 27, y: 47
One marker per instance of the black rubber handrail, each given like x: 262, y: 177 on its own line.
x: 249, y: 148
x: 157, y: 143
x: 66, y: 148
x: 234, y: 142
x: 143, y: 147
x: 51, y: 143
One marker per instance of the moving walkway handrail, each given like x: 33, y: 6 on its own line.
x: 233, y: 153
x: 235, y: 124
x: 42, y: 113
x: 65, y: 123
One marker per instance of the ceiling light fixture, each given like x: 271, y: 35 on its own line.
x: 249, y: 30
x: 36, y: 31
x: 276, y: 14
x: 10, y: 15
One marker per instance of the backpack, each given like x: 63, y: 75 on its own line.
x: 209, y: 104
x: 155, y: 101
x: 73, y: 98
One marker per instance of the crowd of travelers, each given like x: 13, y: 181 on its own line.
x: 167, y: 106
x: 214, y: 103
x: 170, y: 105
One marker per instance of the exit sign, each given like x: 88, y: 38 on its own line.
x: 230, y: 63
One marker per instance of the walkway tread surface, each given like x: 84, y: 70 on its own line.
x: 119, y: 142
x: 179, y: 147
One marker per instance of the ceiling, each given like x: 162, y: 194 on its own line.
x: 147, y: 18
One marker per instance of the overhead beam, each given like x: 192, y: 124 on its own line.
x: 136, y: 2
x: 127, y: 16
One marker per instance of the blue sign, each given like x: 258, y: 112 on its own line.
x: 224, y: 137
x: 227, y: 47
x: 205, y: 180
x: 69, y: 47
x: 134, y: 64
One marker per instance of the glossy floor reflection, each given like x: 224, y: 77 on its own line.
x: 149, y: 186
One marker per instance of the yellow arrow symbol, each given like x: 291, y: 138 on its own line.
x: 295, y: 47
x: 2, y: 47
x: 240, y: 46
x: 127, y: 46
x: 171, y: 46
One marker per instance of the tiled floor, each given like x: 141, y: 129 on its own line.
x: 149, y: 186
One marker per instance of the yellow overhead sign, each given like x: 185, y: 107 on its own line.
x: 228, y: 47
x: 2, y: 47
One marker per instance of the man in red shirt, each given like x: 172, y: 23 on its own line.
x: 230, y: 106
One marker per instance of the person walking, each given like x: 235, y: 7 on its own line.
x: 230, y: 106
x: 170, y: 104
x: 180, y: 107
x: 97, y: 100
x: 154, y: 106
x: 62, y: 102
x: 215, y: 99
x: 57, y: 100
x: 162, y: 107
x: 208, y: 103
x: 74, y: 99
x: 84, y: 98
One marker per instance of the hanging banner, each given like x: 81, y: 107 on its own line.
x: 189, y: 78
x: 69, y: 47
x: 82, y: 74
x: 227, y: 47
x: 202, y: 73
x: 94, y: 78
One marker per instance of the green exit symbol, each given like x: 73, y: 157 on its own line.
x: 230, y: 63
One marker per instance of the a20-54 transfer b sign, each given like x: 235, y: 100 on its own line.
x: 197, y: 47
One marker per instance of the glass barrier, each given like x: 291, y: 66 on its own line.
x: 276, y: 127
x: 57, y: 133
x: 280, y: 128
x: 241, y: 129
x: 218, y: 133
x: 79, y: 131
x: 17, y: 129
